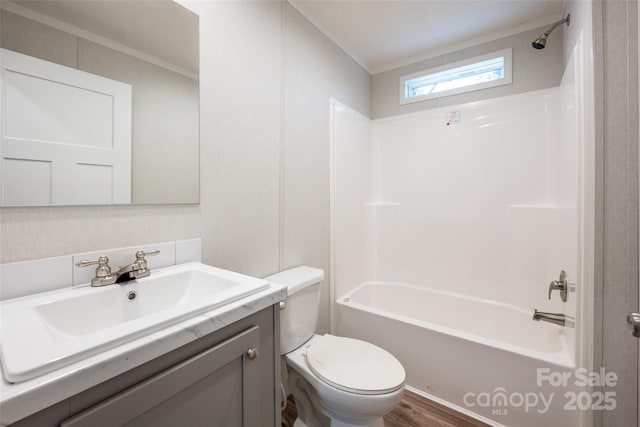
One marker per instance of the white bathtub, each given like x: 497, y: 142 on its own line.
x: 479, y: 355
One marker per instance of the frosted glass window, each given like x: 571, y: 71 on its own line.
x: 481, y: 72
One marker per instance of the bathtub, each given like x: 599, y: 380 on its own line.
x: 482, y: 357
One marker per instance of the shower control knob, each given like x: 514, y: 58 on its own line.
x: 562, y: 284
x: 252, y: 353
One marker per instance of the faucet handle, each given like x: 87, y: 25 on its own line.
x: 103, y: 265
x: 142, y: 254
x: 140, y: 264
x: 140, y: 261
x: 103, y: 271
x: 103, y: 260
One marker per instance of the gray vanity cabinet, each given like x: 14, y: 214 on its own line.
x: 230, y: 383
x: 218, y: 384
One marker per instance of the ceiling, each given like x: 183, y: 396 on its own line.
x: 385, y: 34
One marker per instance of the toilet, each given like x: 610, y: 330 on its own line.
x: 335, y: 381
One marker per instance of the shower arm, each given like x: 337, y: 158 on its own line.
x: 553, y: 26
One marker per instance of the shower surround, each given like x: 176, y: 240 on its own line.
x: 447, y: 227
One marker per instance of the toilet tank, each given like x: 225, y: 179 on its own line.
x: 299, y: 316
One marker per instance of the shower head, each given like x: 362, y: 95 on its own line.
x: 541, y: 41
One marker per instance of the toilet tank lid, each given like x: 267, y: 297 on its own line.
x: 298, y: 278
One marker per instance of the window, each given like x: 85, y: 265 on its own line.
x: 481, y: 72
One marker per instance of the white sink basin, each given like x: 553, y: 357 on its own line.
x: 44, y: 332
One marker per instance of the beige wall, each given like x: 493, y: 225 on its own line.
x: 616, y: 97
x: 316, y: 70
x: 532, y: 70
x: 266, y: 77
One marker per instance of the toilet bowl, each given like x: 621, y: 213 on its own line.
x: 349, y: 394
x: 335, y: 381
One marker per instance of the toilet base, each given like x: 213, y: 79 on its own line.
x: 312, y: 412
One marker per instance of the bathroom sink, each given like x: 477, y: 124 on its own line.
x: 92, y: 312
x: 47, y: 331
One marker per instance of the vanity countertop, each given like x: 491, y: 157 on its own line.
x: 20, y: 400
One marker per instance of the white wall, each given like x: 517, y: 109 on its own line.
x: 266, y: 77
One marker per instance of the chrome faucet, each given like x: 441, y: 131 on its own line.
x: 555, y: 318
x: 135, y: 270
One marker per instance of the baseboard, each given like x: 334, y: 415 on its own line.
x: 455, y: 407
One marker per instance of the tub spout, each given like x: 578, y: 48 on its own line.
x: 555, y: 318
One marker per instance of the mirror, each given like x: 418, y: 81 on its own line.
x: 101, y: 102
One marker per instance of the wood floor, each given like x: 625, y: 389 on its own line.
x: 412, y: 411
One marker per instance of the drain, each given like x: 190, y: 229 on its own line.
x: 132, y: 295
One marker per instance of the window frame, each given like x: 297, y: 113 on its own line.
x: 507, y: 79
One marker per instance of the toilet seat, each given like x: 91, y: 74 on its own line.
x: 354, y: 366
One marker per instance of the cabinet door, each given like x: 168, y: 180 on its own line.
x: 218, y: 387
